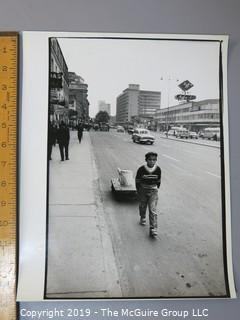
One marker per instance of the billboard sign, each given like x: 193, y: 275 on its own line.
x: 185, y: 97
x: 185, y: 85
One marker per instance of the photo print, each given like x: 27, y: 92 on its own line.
x: 137, y: 200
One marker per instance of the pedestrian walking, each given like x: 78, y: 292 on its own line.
x: 80, y: 131
x: 63, y: 137
x: 52, y: 137
x: 148, y: 180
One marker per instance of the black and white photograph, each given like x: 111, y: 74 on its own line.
x: 136, y: 168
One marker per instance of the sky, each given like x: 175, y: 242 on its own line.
x: 108, y: 66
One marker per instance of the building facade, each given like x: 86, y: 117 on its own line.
x: 78, y: 94
x: 149, y: 103
x: 58, y: 83
x: 194, y: 116
x: 137, y: 105
x: 103, y: 106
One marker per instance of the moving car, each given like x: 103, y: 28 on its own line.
x: 120, y: 129
x: 142, y: 136
x: 104, y: 127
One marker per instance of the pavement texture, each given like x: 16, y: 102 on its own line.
x: 80, y: 260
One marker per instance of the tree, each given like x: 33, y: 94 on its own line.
x: 102, y: 116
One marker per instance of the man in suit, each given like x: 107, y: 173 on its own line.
x: 63, y: 137
x: 80, y: 131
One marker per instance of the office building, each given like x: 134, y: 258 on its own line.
x: 78, y: 94
x: 134, y: 104
x: 59, y: 95
x: 103, y: 106
x: 194, y: 116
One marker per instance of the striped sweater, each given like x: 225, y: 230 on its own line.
x: 148, y: 178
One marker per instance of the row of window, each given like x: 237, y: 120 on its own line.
x: 190, y: 117
x: 122, y: 112
x: 210, y: 108
x: 56, y: 51
x: 157, y: 100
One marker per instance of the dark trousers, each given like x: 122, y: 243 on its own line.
x: 80, y: 136
x: 63, y: 149
x: 148, y: 198
x: 50, y: 151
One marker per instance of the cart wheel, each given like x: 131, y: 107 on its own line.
x: 112, y: 188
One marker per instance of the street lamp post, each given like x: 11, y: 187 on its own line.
x: 169, y: 79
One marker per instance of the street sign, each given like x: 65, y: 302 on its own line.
x: 56, y: 80
x: 185, y: 85
x: 185, y: 97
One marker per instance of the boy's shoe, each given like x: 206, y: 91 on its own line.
x: 143, y: 221
x: 153, y: 233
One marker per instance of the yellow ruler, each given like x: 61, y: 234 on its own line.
x: 8, y: 174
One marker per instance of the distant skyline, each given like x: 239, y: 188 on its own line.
x: 104, y: 106
x: 108, y: 66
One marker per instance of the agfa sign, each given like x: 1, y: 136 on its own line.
x: 185, y: 85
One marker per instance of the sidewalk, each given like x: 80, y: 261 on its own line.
x: 81, y: 261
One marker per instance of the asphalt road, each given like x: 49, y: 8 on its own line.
x: 186, y: 259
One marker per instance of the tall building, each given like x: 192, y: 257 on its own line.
x: 135, y: 104
x: 78, y: 93
x: 103, y: 106
x: 149, y: 103
x: 59, y: 95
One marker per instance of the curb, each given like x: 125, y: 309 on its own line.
x: 198, y: 144
x: 112, y: 274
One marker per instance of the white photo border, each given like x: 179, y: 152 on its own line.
x: 33, y: 155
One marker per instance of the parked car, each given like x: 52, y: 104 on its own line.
x: 171, y: 132
x: 120, y: 129
x: 193, y: 135
x: 212, y: 133
x: 182, y: 133
x: 142, y: 136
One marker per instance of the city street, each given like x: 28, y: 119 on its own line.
x: 185, y: 260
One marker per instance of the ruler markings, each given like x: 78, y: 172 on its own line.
x: 8, y: 195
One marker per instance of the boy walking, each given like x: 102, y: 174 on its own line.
x: 148, y: 180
